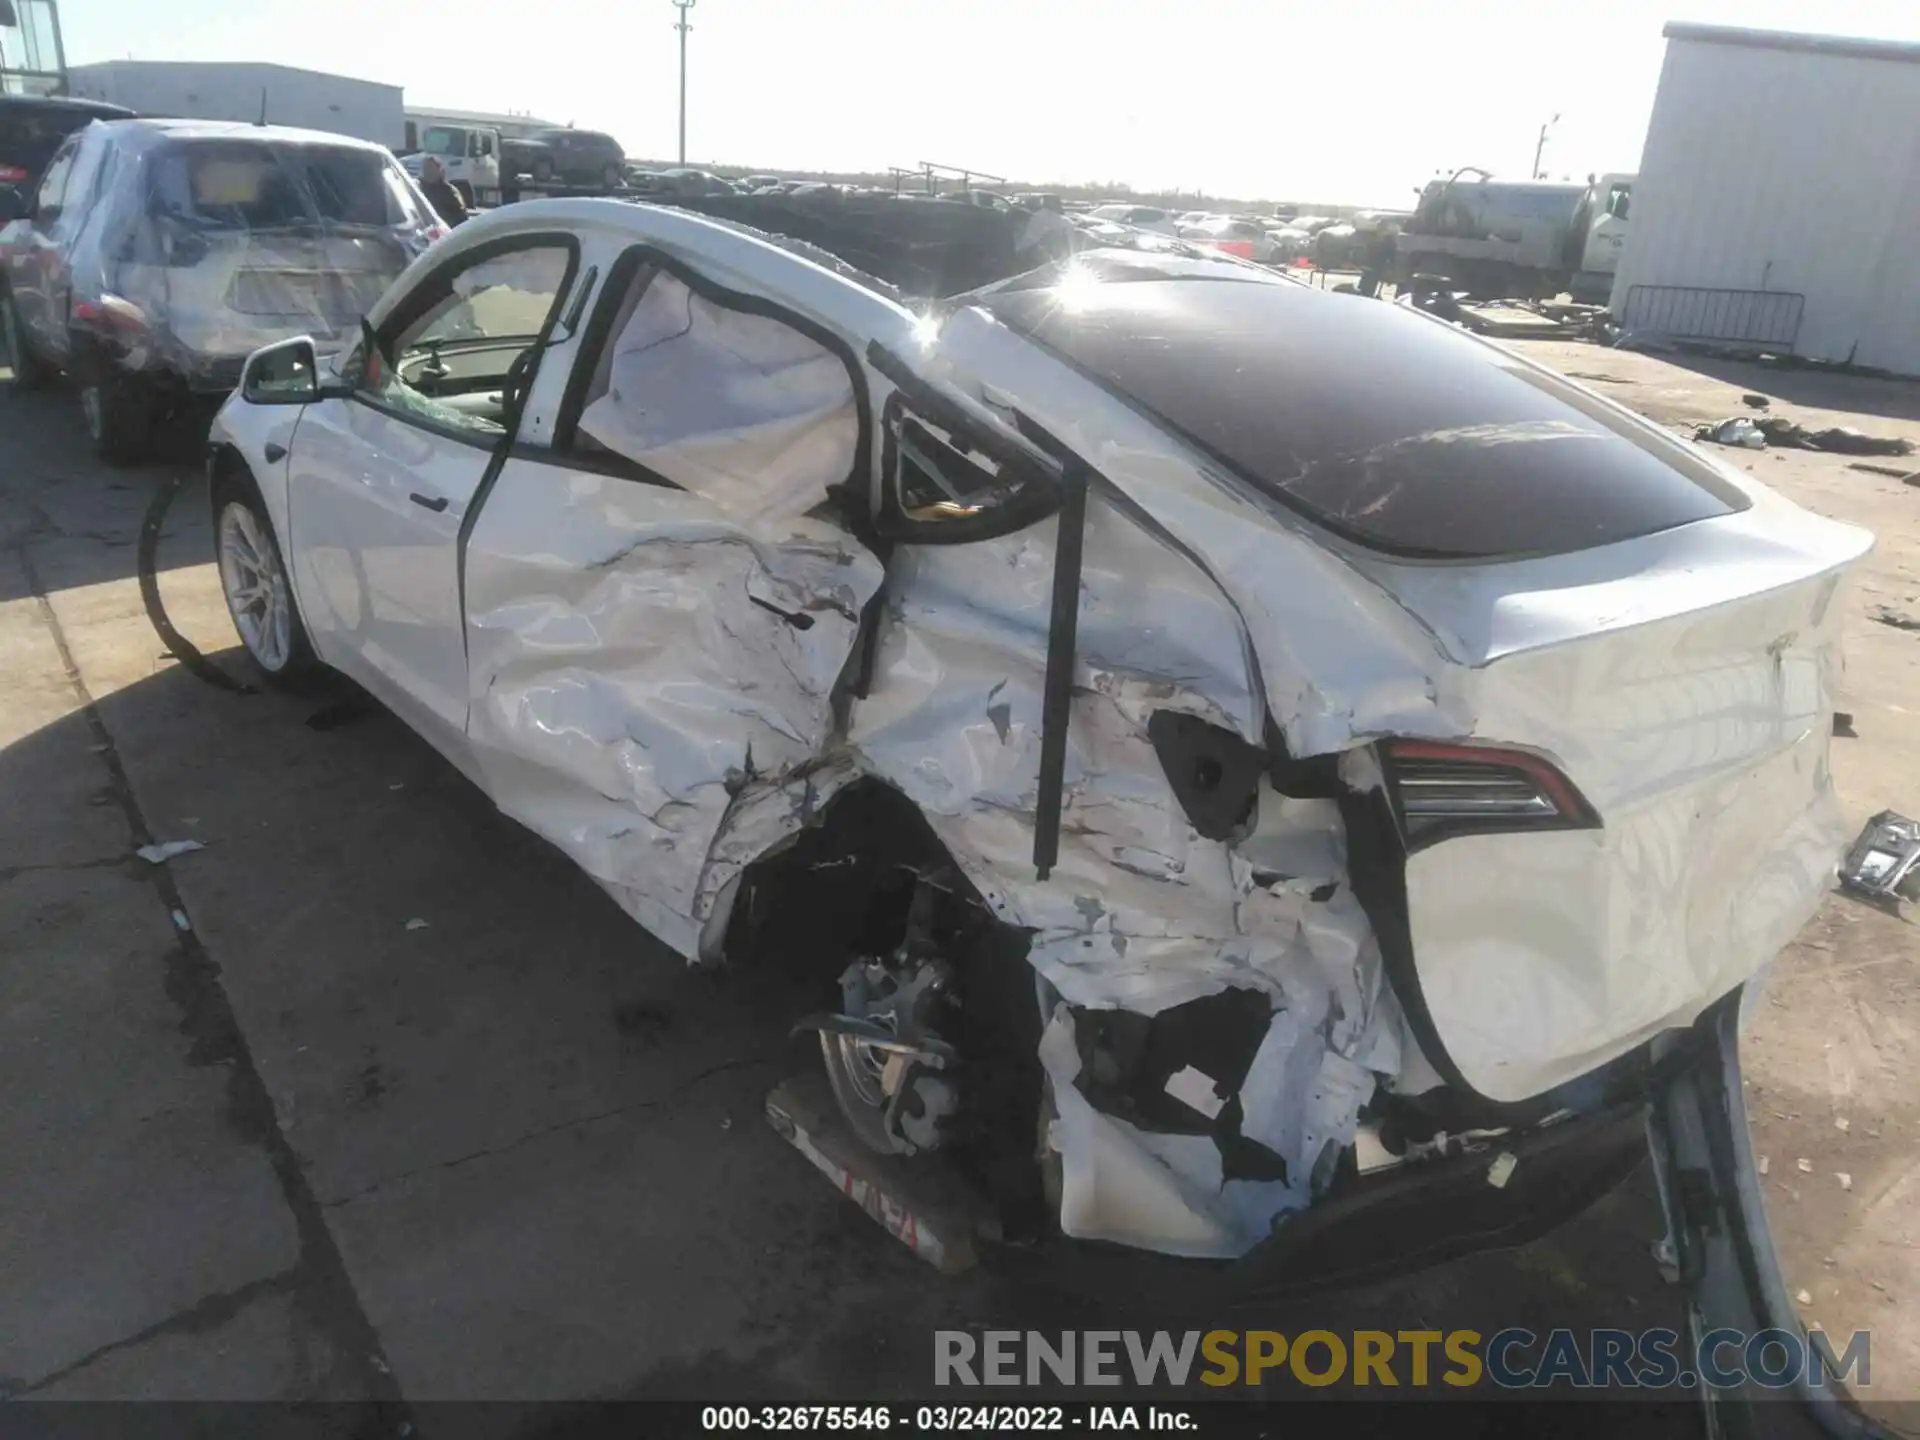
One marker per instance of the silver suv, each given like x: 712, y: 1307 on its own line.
x: 155, y: 255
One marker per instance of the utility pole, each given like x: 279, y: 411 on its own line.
x: 1539, y: 146
x: 682, y: 26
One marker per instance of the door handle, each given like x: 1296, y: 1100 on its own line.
x: 274, y: 453
x: 436, y: 504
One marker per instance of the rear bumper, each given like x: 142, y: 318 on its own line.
x: 1384, y: 1224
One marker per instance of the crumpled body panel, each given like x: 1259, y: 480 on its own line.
x: 637, y: 661
x: 653, y: 673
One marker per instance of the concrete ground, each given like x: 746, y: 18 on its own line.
x: 375, y: 1097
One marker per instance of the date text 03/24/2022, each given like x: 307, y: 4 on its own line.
x: 958, y: 1419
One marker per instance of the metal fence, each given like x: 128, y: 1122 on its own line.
x: 1764, y: 319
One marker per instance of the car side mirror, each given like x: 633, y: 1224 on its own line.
x: 282, y: 374
x: 13, y: 205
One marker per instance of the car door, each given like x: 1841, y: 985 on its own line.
x: 658, y: 606
x: 34, y: 266
x: 381, y: 477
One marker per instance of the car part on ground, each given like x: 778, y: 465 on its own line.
x: 159, y: 254
x: 1884, y: 861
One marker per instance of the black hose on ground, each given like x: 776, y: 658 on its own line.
x: 177, y: 644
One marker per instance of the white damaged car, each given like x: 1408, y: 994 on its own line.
x: 1253, y: 763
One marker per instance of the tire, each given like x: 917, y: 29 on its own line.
x: 119, y: 414
x: 30, y: 372
x: 543, y: 170
x: 258, y: 588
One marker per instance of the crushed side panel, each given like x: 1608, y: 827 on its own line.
x: 1142, y: 919
x: 636, y: 660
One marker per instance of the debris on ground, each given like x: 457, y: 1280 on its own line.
x: 1885, y: 860
x: 1763, y: 1164
x: 1841, y: 1124
x: 1846, y: 1180
x: 1843, y: 725
x: 1501, y: 1171
x: 416, y: 923
x: 1892, y: 472
x: 1734, y: 430
x: 1899, y: 620
x: 1754, y: 401
x: 1801, y: 1297
x: 165, y: 850
x: 180, y: 921
x: 1753, y: 433
x: 1804, y: 1166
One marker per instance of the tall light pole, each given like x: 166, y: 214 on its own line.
x: 682, y: 26
x: 1539, y: 146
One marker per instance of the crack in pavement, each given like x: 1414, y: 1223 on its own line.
x: 109, y: 862
x: 208, y: 1313
x: 744, y: 1062
x: 320, y: 1286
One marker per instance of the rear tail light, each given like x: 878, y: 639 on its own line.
x: 111, y: 315
x: 12, y: 175
x: 1440, y: 790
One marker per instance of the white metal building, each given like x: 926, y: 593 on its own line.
x: 1778, y: 201
x: 216, y: 90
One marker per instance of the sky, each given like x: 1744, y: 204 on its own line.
x: 1357, y: 102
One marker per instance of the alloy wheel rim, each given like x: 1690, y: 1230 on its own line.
x: 255, y: 587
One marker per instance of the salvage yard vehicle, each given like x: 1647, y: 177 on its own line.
x: 1526, y: 239
x: 571, y: 157
x: 155, y: 255
x: 32, y: 127
x: 1263, y: 778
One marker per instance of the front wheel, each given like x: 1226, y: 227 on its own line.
x: 258, y: 590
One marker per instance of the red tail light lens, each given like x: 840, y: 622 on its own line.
x: 1440, y: 790
x: 12, y: 175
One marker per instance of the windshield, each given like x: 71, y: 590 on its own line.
x: 1390, y: 429
x: 441, y: 140
x: 249, y: 185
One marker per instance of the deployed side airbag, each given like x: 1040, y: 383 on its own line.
x: 741, y: 409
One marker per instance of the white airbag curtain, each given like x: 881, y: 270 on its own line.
x: 740, y: 409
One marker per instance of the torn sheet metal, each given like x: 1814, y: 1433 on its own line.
x: 742, y: 409
x: 637, y: 661
x: 1682, y: 680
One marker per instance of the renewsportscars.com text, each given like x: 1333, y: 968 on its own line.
x: 1512, y: 1359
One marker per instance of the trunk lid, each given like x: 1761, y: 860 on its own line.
x: 1683, y: 682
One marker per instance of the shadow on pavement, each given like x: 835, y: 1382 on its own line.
x: 535, y: 1135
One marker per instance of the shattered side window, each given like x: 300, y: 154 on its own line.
x: 451, y: 361
x: 738, y: 407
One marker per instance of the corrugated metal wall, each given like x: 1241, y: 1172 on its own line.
x: 1781, y: 170
x: 223, y: 90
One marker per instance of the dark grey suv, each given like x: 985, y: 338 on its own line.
x: 577, y: 157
